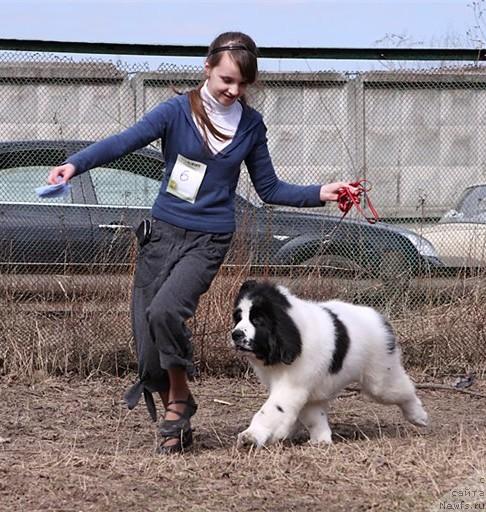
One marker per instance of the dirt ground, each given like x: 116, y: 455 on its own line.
x: 71, y: 445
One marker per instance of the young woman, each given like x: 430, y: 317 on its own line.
x: 206, y: 135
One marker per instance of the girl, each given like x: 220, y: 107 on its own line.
x: 206, y: 135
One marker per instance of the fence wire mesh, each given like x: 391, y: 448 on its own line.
x: 417, y: 137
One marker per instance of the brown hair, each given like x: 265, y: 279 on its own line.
x: 243, y: 51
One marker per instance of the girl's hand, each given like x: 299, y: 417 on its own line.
x: 65, y: 172
x: 330, y: 191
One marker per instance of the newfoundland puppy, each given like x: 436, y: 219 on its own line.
x: 306, y: 353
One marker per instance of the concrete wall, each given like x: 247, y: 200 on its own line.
x: 418, y: 137
x: 63, y: 101
x: 425, y: 137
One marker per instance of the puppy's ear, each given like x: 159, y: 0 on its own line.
x: 287, y: 345
x: 245, y: 288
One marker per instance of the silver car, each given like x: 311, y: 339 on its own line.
x: 459, y: 238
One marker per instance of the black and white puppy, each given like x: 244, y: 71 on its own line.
x: 306, y: 353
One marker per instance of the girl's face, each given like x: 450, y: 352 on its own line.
x: 225, y: 82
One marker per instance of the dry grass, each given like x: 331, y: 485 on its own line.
x: 65, y: 325
x: 70, y: 445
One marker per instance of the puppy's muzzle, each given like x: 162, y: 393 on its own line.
x: 239, y: 340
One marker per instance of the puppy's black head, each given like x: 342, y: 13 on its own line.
x: 263, y: 326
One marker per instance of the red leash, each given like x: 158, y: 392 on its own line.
x: 347, y: 198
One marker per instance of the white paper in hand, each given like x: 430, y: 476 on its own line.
x: 57, y: 190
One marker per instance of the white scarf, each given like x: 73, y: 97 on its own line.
x: 224, y: 119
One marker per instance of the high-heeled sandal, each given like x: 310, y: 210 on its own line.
x: 184, y: 442
x: 173, y: 428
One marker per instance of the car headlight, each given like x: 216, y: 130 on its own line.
x: 423, y: 246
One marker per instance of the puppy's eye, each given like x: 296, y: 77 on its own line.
x: 257, y: 321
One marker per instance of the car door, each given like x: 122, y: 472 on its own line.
x: 40, y: 234
x: 117, y: 202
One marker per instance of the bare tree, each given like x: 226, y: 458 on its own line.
x: 477, y: 33
x: 475, y: 37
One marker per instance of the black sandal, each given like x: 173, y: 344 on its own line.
x: 173, y: 428
x: 184, y: 442
x: 179, y: 429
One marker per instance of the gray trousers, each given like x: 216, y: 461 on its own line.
x: 173, y: 270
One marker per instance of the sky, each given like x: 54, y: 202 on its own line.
x: 294, y: 23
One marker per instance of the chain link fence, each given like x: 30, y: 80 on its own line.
x: 416, y: 137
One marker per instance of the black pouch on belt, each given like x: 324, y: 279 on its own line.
x: 144, y: 232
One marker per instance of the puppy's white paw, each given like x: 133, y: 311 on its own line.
x: 415, y: 414
x: 251, y: 437
x: 420, y: 418
x: 321, y: 439
x: 245, y: 438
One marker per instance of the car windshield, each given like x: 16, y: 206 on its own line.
x: 471, y: 206
x: 18, y: 184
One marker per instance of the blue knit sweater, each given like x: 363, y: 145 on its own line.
x: 213, y: 209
